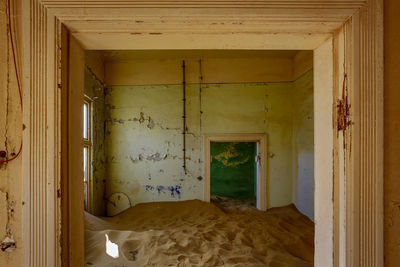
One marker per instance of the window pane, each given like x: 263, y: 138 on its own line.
x: 85, y: 121
x: 85, y: 164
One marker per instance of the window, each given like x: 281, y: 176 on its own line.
x: 87, y: 149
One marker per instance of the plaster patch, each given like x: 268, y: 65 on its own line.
x: 157, y: 157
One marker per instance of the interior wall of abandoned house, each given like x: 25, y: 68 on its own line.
x: 143, y: 139
x: 10, y: 130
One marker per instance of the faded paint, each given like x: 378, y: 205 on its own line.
x: 233, y: 170
x: 94, y: 89
x: 303, y: 144
x: 10, y: 137
x: 143, y: 162
x: 215, y: 70
x: 144, y: 149
x: 116, y: 203
x: 256, y: 108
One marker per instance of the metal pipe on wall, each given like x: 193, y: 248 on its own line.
x: 184, y: 114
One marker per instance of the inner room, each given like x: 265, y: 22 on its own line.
x: 233, y: 173
x: 198, y: 158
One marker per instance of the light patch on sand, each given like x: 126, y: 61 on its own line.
x: 111, y: 248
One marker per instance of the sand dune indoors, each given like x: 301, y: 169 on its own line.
x: 196, y: 233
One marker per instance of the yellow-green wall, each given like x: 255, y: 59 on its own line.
x: 144, y: 136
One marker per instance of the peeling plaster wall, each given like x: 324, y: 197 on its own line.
x: 303, y: 144
x: 144, y: 144
x: 144, y: 136
x: 10, y: 138
x: 94, y: 89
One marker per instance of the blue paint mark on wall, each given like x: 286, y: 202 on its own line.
x: 175, y: 190
x: 149, y: 188
x: 160, y: 189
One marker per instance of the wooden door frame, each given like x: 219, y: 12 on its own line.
x: 261, y: 140
x: 180, y: 24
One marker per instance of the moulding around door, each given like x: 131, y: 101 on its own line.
x: 42, y: 93
x: 261, y: 140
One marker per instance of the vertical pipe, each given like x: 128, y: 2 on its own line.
x: 184, y: 114
x: 200, y: 93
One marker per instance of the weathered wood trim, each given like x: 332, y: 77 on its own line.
x: 41, y: 155
x: 369, y: 142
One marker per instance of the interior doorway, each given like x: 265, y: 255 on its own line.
x: 150, y: 120
x: 233, y: 173
x: 123, y: 83
x: 256, y: 145
x: 277, y: 25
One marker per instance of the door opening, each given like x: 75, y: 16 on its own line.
x: 222, y: 150
x: 233, y: 173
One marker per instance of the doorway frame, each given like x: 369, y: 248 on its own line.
x: 261, y: 141
x: 308, y: 21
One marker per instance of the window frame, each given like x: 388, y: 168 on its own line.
x: 88, y: 144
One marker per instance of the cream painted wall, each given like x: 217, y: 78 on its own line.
x: 95, y: 61
x: 303, y: 144
x: 214, y: 70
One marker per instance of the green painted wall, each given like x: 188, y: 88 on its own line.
x: 233, y: 169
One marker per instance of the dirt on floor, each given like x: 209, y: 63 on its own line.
x: 197, y: 233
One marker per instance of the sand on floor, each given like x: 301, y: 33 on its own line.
x: 197, y: 233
